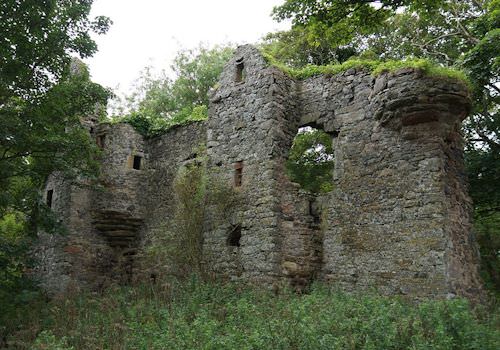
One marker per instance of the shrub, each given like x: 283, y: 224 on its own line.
x: 48, y: 341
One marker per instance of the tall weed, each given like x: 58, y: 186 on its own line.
x: 200, y: 315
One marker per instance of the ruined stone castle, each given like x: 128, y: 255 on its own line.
x: 398, y: 219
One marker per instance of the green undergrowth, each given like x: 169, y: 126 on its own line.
x: 376, y: 67
x: 199, y: 315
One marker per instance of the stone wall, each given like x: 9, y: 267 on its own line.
x: 78, y: 257
x: 108, y: 221
x: 52, y: 267
x: 245, y: 130
x: 387, y: 213
x: 166, y: 154
x: 393, y: 221
x: 398, y: 219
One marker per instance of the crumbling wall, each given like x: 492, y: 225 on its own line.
x: 462, y: 254
x: 166, y: 154
x: 121, y: 184
x: 78, y: 257
x: 302, y: 235
x: 107, y: 222
x: 388, y: 216
x: 397, y: 220
x: 52, y: 268
x: 101, y: 219
x: 117, y: 211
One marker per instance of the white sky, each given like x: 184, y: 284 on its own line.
x: 150, y: 32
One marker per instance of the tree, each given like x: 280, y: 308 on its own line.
x: 326, y: 32
x: 160, y: 102
x: 43, y: 96
x: 41, y: 100
x: 310, y: 162
x: 43, y: 137
x: 323, y: 32
x: 37, y: 38
x: 303, y: 45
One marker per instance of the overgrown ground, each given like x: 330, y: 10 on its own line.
x: 196, y: 315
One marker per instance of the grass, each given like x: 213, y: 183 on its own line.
x: 376, y: 68
x: 196, y: 315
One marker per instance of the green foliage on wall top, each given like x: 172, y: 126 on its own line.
x: 160, y: 102
x: 376, y: 67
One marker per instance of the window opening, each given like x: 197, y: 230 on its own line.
x: 234, y: 237
x: 240, y: 71
x: 50, y: 194
x: 137, y: 162
x: 311, y: 160
x: 314, y: 211
x: 238, y: 173
x: 100, y: 141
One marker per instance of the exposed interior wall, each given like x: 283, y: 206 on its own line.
x: 166, y: 154
x: 52, y: 268
x: 79, y: 257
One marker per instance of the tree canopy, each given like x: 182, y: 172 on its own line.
x: 310, y: 162
x: 37, y: 40
x: 160, y: 102
x: 44, y: 94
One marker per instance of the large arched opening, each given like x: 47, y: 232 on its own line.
x: 310, y: 160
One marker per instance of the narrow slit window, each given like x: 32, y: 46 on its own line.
x: 240, y: 71
x: 100, y: 141
x: 50, y: 194
x: 238, y: 174
x: 137, y: 162
x: 234, y: 237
